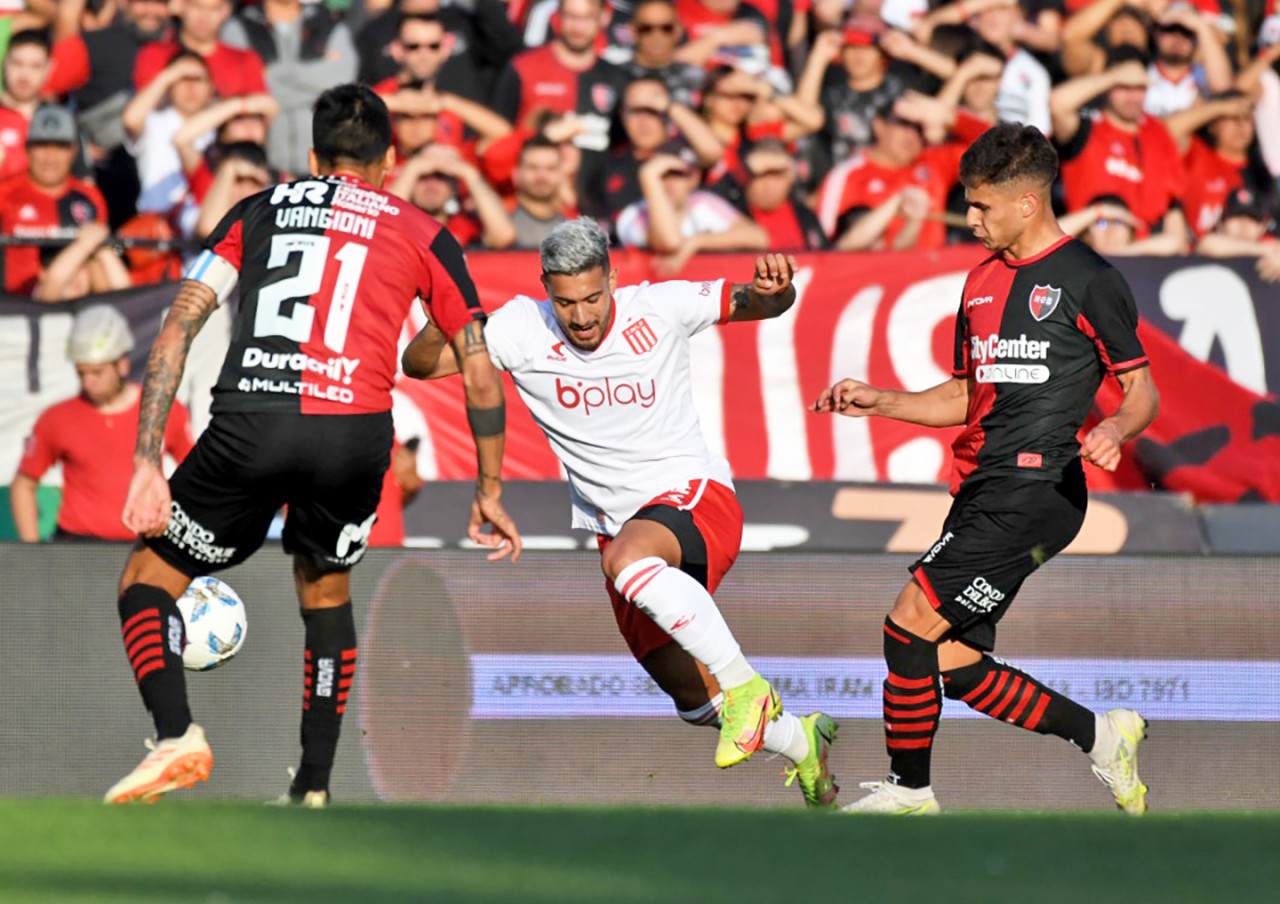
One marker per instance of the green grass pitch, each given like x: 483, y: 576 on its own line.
x: 77, y: 851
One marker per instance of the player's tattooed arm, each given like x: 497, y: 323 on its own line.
x: 769, y: 294
x: 168, y: 358
x: 429, y: 356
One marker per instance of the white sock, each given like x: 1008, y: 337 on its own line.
x: 784, y: 735
x: 683, y: 608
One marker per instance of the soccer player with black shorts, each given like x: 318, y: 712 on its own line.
x: 1041, y: 323
x: 328, y: 268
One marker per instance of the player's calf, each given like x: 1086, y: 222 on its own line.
x: 912, y: 704
x: 329, y: 668
x: 1002, y: 691
x: 154, y: 634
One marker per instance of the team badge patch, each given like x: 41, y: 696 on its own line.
x: 1044, y: 300
x: 602, y: 95
x: 640, y: 336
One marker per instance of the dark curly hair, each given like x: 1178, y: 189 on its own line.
x: 1009, y: 152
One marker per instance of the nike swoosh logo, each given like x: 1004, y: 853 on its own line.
x: 682, y: 621
x: 756, y: 738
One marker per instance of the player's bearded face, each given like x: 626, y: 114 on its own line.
x: 583, y: 304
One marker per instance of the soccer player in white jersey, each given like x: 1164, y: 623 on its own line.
x: 605, y: 373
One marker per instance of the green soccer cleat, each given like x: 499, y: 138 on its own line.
x: 816, y: 781
x: 747, y: 709
x: 1115, y: 759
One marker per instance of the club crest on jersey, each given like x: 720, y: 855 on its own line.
x: 640, y: 336
x: 1043, y: 301
x: 602, y: 96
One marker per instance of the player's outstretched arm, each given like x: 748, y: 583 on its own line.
x: 769, y: 294
x: 944, y: 405
x: 429, y: 356
x: 1138, y: 409
x: 486, y: 414
x: 146, y: 508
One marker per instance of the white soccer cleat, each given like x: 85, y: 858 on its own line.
x: 308, y: 800
x: 172, y: 764
x: 888, y: 798
x: 1115, y: 758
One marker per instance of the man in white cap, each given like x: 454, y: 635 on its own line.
x: 92, y: 436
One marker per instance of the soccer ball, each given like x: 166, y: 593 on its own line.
x: 216, y: 624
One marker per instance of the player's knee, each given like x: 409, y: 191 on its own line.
x: 615, y: 559
x: 913, y: 611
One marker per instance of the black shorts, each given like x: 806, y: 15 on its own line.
x: 998, y: 531
x: 328, y: 469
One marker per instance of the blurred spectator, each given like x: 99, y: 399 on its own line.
x: 482, y: 40
x: 769, y: 199
x: 1243, y: 232
x: 650, y: 120
x: 1260, y: 82
x: 93, y: 62
x: 26, y: 64
x: 539, y: 185
x: 306, y: 50
x: 1224, y: 163
x: 1096, y: 29
x: 400, y: 485
x: 1120, y: 150
x: 742, y: 108
x: 851, y: 94
x: 92, y: 436
x: 1105, y: 224
x: 84, y: 266
x: 242, y: 171
x: 893, y: 194
x: 975, y: 85
x: 657, y: 33
x: 1189, y: 62
x: 727, y: 31
x: 239, y: 119
x: 676, y: 219
x: 153, y: 118
x: 234, y: 71
x: 45, y: 202
x: 565, y: 76
x: 421, y: 112
x: 1024, y: 82
x: 430, y: 180
x: 152, y: 263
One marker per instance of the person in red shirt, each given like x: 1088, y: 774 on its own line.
x: 92, y: 436
x: 26, y: 64
x: 893, y: 194
x: 1217, y: 167
x: 46, y: 201
x: 234, y: 71
x: 769, y: 200
x: 1120, y: 150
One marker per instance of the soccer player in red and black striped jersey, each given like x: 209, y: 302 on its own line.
x: 328, y: 268
x: 1041, y: 323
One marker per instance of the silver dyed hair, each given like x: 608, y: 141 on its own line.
x: 574, y: 247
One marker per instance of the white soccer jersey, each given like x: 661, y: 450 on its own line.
x: 620, y: 418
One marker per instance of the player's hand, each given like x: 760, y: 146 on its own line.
x: 504, y: 538
x: 1102, y: 446
x: 852, y: 398
x: 146, y: 508
x: 774, y: 273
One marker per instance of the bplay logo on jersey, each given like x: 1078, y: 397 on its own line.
x: 606, y: 394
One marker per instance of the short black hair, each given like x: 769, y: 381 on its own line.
x: 1127, y: 53
x: 247, y: 151
x: 350, y: 122
x: 426, y: 18
x: 1009, y: 152
x: 536, y: 142
x: 32, y: 37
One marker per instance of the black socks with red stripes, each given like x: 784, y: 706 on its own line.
x: 911, y: 704
x: 154, y: 634
x: 329, y: 668
x: 1003, y: 692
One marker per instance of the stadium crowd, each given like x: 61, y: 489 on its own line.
x: 685, y: 125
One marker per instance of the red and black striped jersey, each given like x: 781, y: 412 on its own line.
x: 1035, y: 338
x: 329, y: 267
